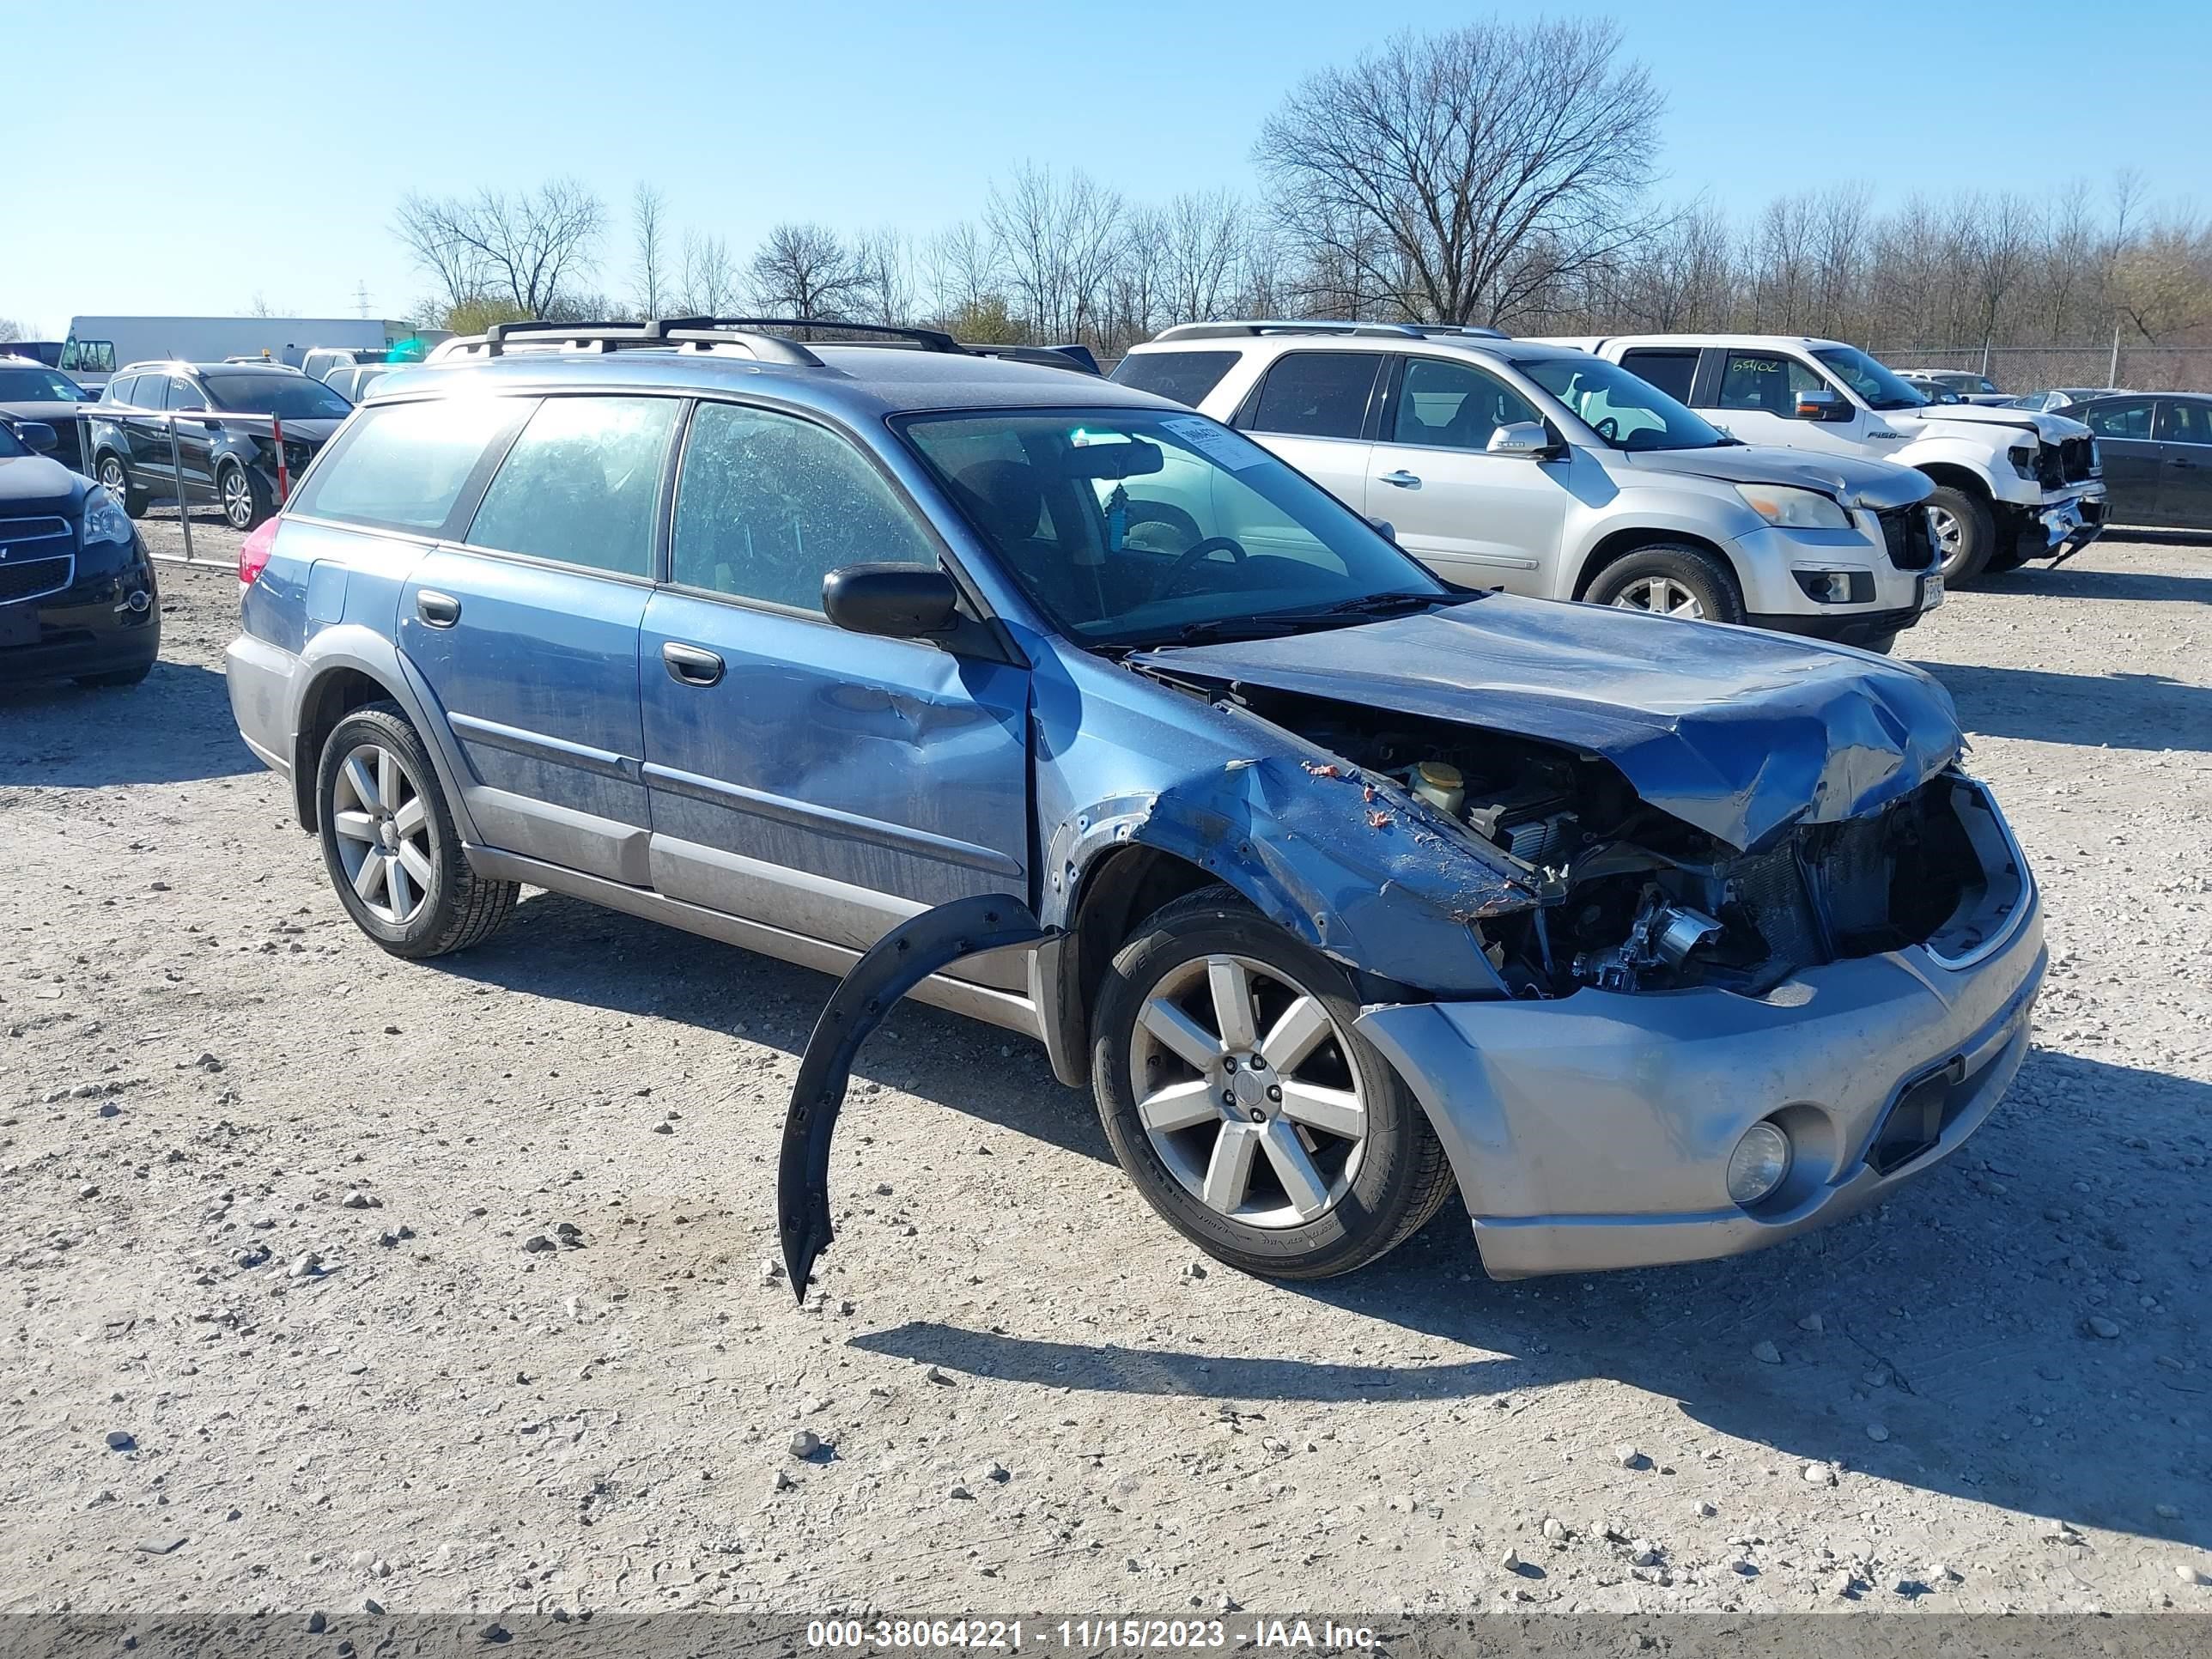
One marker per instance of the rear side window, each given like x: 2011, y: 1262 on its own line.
x: 1317, y: 394
x: 581, y: 484
x: 1185, y: 376
x: 2180, y: 423
x: 404, y: 466
x: 767, y: 505
x: 2128, y: 418
x: 1672, y: 371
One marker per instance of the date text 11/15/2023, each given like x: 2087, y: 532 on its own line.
x: 1088, y: 1635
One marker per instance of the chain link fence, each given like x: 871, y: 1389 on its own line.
x: 2036, y: 368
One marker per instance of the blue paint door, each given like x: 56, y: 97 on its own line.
x: 820, y: 781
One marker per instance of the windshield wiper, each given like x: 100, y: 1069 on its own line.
x: 1369, y: 605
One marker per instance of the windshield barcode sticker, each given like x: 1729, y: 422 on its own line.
x: 1216, y: 443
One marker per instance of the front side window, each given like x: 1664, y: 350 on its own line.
x: 404, y: 466
x: 1875, y: 385
x: 1624, y: 409
x: 767, y: 504
x: 2182, y: 422
x: 289, y: 397
x: 1445, y: 405
x: 2129, y: 417
x: 1317, y: 394
x: 1185, y: 376
x: 1124, y: 525
x: 581, y: 484
x: 1765, y: 381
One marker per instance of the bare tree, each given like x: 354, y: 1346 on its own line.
x: 806, y: 270
x: 883, y: 261
x: 1461, y: 172
x: 11, y: 328
x: 1203, y: 236
x: 1056, y: 240
x: 524, y: 246
x: 648, y: 210
x: 964, y: 271
x: 708, y: 281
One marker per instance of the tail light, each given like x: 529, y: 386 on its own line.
x: 253, y: 553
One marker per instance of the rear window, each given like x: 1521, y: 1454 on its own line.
x: 404, y: 466
x: 1317, y: 394
x: 1185, y: 376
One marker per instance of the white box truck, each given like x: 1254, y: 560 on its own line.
x: 98, y: 346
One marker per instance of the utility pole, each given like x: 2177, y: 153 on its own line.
x: 360, y: 298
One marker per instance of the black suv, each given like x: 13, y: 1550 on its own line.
x: 77, y: 594
x: 225, y: 450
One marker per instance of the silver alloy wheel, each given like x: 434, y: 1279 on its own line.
x: 111, y: 477
x: 1663, y: 595
x: 1243, y: 1083
x: 237, y: 498
x: 383, y: 829
x: 1948, y: 534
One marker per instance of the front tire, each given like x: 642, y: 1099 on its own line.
x: 117, y: 481
x: 1247, y: 1110
x: 389, y: 844
x: 246, y: 500
x: 1671, y: 579
x: 1964, y: 532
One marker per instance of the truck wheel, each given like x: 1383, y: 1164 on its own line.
x: 1245, y: 1106
x: 391, y: 846
x: 1964, y: 532
x: 1670, y: 578
x: 116, y: 482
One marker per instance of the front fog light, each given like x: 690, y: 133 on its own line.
x: 1836, y: 586
x: 1759, y: 1165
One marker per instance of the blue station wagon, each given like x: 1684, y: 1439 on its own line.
x: 1655, y: 939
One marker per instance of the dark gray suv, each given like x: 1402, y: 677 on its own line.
x: 226, y: 443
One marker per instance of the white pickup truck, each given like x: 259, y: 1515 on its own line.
x: 2011, y: 484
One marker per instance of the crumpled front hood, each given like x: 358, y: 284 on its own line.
x: 2051, y: 429
x: 1875, y: 484
x: 1740, y: 732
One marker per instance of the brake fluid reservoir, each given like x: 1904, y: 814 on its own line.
x: 1439, y: 783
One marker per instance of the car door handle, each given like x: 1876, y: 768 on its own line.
x: 2190, y: 466
x: 1402, y: 478
x: 690, y: 666
x: 438, y: 610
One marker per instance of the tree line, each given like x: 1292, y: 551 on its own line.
x: 1499, y: 173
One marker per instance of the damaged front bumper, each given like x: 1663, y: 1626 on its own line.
x: 1595, y: 1131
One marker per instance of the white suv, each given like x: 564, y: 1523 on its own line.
x: 2011, y: 484
x: 1550, y: 472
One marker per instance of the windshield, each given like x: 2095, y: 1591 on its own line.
x: 39, y: 385
x: 1877, y: 387
x: 1626, y: 412
x: 289, y: 397
x: 1128, y: 525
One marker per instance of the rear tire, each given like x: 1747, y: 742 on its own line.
x: 1670, y: 578
x: 389, y: 844
x: 1964, y: 532
x: 117, y: 479
x: 1322, y: 1161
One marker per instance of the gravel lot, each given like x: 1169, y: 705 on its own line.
x: 1991, y: 1394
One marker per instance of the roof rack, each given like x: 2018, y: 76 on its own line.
x: 929, y: 339
x: 614, y: 336
x: 1073, y: 357
x: 1398, y: 330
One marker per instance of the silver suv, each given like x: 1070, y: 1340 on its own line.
x: 1544, y: 470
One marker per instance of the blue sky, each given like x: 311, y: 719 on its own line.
x: 319, y: 117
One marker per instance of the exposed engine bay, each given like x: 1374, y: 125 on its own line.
x: 1633, y: 899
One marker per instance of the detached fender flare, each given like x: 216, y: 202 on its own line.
x: 895, y: 965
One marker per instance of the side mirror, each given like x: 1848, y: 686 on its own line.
x: 1527, y: 439
x: 37, y: 435
x: 1823, y: 405
x: 896, y: 601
